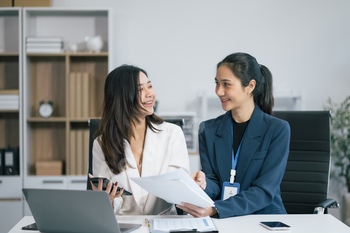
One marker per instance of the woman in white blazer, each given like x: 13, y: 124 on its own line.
x: 134, y: 142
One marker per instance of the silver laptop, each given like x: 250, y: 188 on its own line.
x: 74, y: 211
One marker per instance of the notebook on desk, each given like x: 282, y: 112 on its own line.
x: 74, y: 211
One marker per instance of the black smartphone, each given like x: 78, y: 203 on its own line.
x: 105, y: 181
x: 275, y: 226
x: 31, y: 227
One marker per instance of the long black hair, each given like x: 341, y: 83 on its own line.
x: 121, y: 110
x: 245, y: 67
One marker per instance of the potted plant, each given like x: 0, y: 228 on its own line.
x: 340, y: 146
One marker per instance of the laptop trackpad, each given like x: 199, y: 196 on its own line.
x: 128, y: 227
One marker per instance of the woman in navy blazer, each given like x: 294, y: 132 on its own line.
x: 261, y: 147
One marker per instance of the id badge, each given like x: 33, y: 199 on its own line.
x: 229, y: 190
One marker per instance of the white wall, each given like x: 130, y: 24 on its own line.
x: 305, y: 43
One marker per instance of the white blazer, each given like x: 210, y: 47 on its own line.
x: 163, y: 152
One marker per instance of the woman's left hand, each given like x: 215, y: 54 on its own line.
x: 112, y: 193
x: 196, y: 211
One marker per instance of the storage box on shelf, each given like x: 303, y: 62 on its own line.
x: 10, y: 116
x: 73, y: 81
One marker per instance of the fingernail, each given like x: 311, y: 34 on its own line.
x: 116, y: 183
x: 100, y: 179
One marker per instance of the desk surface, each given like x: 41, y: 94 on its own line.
x: 300, y: 223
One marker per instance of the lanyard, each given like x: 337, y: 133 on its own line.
x: 234, y: 159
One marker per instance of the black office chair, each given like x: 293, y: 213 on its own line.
x: 94, y: 125
x: 304, y: 188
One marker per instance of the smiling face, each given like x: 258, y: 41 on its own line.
x: 147, y: 94
x: 232, y: 94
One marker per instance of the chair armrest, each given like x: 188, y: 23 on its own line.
x: 329, y: 203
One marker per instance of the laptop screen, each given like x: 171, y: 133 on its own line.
x: 73, y: 211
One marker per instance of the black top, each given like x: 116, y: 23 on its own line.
x: 238, y: 132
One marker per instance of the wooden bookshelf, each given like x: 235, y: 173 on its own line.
x: 9, y: 75
x: 47, y: 76
x: 10, y: 119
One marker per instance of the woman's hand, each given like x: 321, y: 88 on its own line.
x: 196, y: 211
x: 199, y: 178
x: 112, y: 193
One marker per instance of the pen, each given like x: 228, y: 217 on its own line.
x: 146, y: 222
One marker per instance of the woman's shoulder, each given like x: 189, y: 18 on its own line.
x: 274, y: 123
x: 212, y: 123
x: 167, y: 127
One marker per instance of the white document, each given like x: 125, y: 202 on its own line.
x: 182, y: 224
x: 175, y: 187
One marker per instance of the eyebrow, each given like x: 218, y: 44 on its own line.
x: 223, y: 80
x: 147, y: 83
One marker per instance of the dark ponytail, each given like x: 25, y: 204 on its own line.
x: 245, y: 67
x: 263, y: 94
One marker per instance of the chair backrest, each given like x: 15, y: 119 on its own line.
x: 94, y: 124
x: 305, y: 182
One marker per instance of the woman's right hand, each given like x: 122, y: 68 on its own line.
x: 199, y: 178
x: 112, y: 193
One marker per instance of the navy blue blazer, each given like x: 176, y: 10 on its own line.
x: 260, y: 167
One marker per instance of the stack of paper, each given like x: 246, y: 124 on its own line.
x: 9, y: 102
x: 205, y: 224
x: 44, y: 45
x: 175, y: 187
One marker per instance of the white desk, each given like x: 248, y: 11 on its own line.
x: 250, y: 223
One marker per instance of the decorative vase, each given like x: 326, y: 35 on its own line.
x: 94, y: 44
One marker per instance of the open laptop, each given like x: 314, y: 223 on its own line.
x: 74, y: 211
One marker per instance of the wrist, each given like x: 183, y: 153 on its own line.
x: 213, y: 211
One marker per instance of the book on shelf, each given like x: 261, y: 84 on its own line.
x: 79, y: 151
x: 85, y: 94
x: 79, y: 88
x: 86, y: 150
x: 36, y: 39
x: 9, y: 105
x: 44, y: 50
x: 1, y: 162
x: 10, y: 161
x: 72, y: 153
x: 9, y: 97
x: 79, y: 155
x: 43, y: 45
x: 72, y: 95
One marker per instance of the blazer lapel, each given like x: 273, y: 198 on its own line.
x: 250, y: 143
x: 223, y: 147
